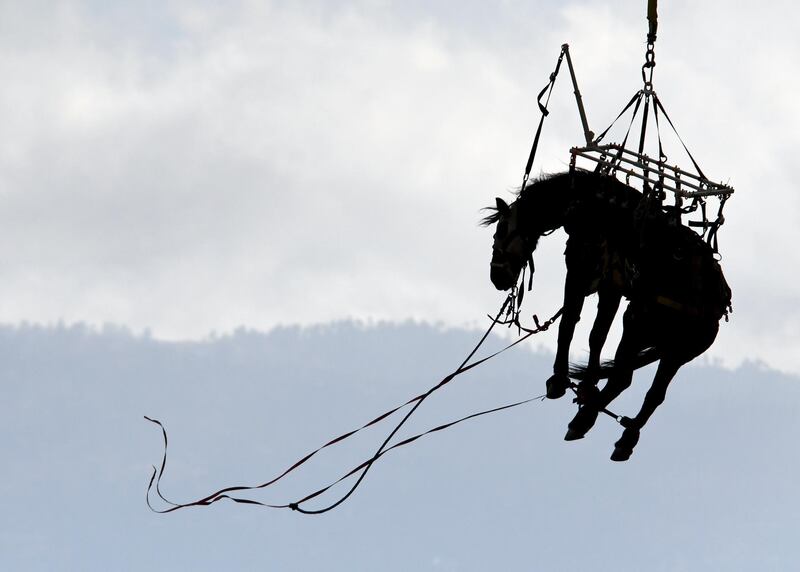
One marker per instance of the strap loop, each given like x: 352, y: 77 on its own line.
x: 364, y: 467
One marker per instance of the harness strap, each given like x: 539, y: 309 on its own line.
x: 621, y: 113
x: 533, y: 269
x: 643, y: 134
x: 638, y: 99
x: 712, y: 236
x: 661, y: 156
x: 548, y: 89
x: 666, y: 115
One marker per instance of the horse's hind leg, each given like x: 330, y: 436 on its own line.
x: 667, y: 368
x: 619, y: 380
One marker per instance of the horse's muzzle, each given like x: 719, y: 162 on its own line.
x: 501, y: 276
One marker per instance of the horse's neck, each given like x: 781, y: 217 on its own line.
x: 582, y: 199
x: 547, y: 203
x: 607, y: 191
x: 613, y: 199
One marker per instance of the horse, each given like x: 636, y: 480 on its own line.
x: 621, y: 243
x: 593, y: 265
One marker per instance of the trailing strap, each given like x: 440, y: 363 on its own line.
x: 363, y: 468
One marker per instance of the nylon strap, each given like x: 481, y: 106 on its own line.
x: 652, y: 19
x: 622, y: 147
x: 661, y: 156
x: 666, y: 115
x: 621, y: 113
x: 644, y: 123
x: 548, y: 89
x: 363, y: 467
x: 403, y: 443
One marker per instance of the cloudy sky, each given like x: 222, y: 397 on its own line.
x: 190, y: 167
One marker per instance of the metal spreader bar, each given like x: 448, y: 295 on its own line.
x: 613, y: 158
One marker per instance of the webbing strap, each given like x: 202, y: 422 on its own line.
x: 364, y: 467
x: 408, y: 441
x: 652, y: 20
x: 548, y: 89
x: 643, y: 134
x: 633, y: 100
x: 661, y: 157
x: 403, y: 443
x: 712, y: 235
x: 622, y: 147
x: 666, y: 115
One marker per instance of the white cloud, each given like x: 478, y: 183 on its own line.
x: 191, y: 168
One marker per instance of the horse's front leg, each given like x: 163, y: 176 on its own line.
x: 574, y: 294
x: 667, y: 368
x: 608, y: 300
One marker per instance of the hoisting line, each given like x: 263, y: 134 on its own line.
x: 155, y: 479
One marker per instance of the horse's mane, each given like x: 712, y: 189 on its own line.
x: 491, y: 218
x: 494, y: 216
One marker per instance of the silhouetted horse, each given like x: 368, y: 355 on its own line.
x: 620, y: 243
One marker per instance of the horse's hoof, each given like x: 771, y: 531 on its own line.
x: 573, y: 435
x: 557, y: 386
x: 620, y: 455
x: 581, y: 423
x: 623, y: 449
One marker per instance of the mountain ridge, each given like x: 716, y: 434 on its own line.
x: 493, y: 491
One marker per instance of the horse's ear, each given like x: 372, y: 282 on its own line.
x: 502, y: 207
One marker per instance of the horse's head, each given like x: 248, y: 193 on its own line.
x: 512, y: 246
x: 540, y: 208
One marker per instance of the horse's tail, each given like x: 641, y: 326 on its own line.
x: 643, y: 358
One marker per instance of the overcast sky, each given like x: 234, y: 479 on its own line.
x: 190, y: 167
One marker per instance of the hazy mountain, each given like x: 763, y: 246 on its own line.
x: 712, y: 485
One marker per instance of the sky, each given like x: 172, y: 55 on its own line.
x: 186, y: 168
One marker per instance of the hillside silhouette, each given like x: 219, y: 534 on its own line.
x: 714, y: 483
